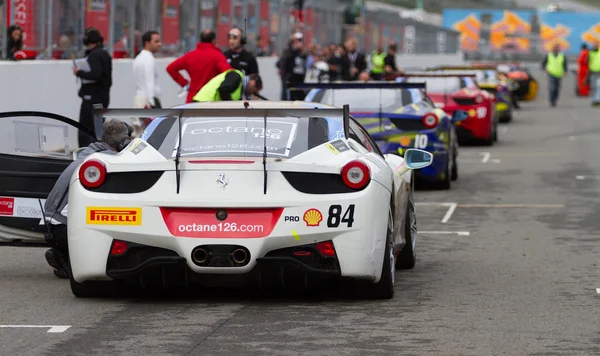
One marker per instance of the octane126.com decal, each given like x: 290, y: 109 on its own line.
x: 337, y: 216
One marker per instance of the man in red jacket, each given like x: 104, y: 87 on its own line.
x: 201, y: 64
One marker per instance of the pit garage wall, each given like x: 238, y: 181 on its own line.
x: 51, y: 86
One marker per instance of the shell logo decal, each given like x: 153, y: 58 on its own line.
x: 405, y: 141
x: 472, y: 113
x: 312, y: 217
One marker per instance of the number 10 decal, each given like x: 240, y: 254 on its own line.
x: 336, y: 217
x: 420, y: 141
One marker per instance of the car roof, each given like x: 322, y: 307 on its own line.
x: 258, y: 104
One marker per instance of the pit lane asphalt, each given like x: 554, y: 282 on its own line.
x: 522, y: 282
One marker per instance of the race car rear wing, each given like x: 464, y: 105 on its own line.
x: 357, y: 85
x: 430, y: 75
x: 99, y: 113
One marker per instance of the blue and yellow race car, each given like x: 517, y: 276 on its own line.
x: 398, y: 116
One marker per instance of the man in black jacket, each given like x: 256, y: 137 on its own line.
x: 353, y: 62
x: 237, y: 56
x: 294, y: 66
x: 95, y: 83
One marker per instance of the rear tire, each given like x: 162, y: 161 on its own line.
x: 384, y: 289
x: 445, y: 184
x: 454, y: 167
x: 407, y: 258
x: 96, y: 289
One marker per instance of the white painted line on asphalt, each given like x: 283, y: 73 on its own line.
x: 598, y: 290
x: 486, y: 157
x: 580, y: 177
x: 52, y: 328
x: 450, y: 205
x: 451, y: 208
x: 459, y: 233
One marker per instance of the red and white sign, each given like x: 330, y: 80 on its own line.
x: 7, y: 206
x: 97, y: 15
x: 24, y: 17
x: 203, y: 223
x: 21, y: 207
x: 170, y: 22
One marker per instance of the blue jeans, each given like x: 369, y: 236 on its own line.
x: 554, y: 86
x: 595, y: 87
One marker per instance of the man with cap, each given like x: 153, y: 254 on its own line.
x: 96, y: 82
x: 294, y: 66
x: 230, y: 85
x: 237, y: 56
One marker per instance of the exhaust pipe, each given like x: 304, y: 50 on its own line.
x: 239, y: 256
x: 199, y: 256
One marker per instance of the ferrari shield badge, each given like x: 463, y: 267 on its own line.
x: 223, y: 181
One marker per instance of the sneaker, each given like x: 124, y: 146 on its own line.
x: 54, y: 258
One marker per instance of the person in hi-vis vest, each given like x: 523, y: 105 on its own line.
x: 378, y: 64
x: 555, y: 65
x: 230, y: 85
x: 594, y: 74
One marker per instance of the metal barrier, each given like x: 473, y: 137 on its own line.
x: 55, y: 28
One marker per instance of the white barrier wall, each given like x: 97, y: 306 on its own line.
x: 51, y: 86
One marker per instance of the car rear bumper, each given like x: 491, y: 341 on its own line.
x: 359, y: 245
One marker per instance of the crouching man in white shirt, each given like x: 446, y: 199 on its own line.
x: 146, y: 78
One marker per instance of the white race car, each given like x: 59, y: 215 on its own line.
x: 233, y: 192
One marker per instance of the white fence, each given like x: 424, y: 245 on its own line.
x: 51, y: 86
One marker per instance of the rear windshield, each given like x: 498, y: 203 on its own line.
x: 285, y: 137
x: 441, y: 84
x: 365, y: 100
x: 487, y: 77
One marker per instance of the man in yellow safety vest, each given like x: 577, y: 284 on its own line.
x: 229, y: 85
x: 378, y: 64
x: 555, y: 65
x: 594, y: 74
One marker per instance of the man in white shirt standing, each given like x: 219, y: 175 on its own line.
x: 146, y: 77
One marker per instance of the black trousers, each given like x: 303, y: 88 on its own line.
x: 86, y: 118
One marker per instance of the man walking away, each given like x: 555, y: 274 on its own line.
x: 230, y: 85
x: 555, y: 65
x: 201, y: 64
x: 354, y: 62
x: 294, y: 66
x: 146, y: 77
x: 96, y: 82
x: 378, y: 64
x: 594, y: 74
x: 237, y: 56
x: 115, y: 136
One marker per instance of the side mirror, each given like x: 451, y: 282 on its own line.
x: 460, y: 115
x: 77, y: 152
x: 417, y: 159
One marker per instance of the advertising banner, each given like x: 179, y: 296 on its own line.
x: 170, y: 22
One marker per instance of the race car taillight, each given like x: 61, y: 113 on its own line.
x: 430, y: 120
x: 326, y: 248
x: 92, y: 173
x: 118, y: 248
x: 479, y: 99
x: 356, y: 174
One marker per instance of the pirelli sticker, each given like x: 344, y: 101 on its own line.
x: 96, y: 215
x: 337, y: 146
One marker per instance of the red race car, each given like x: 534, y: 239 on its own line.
x: 459, y: 91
